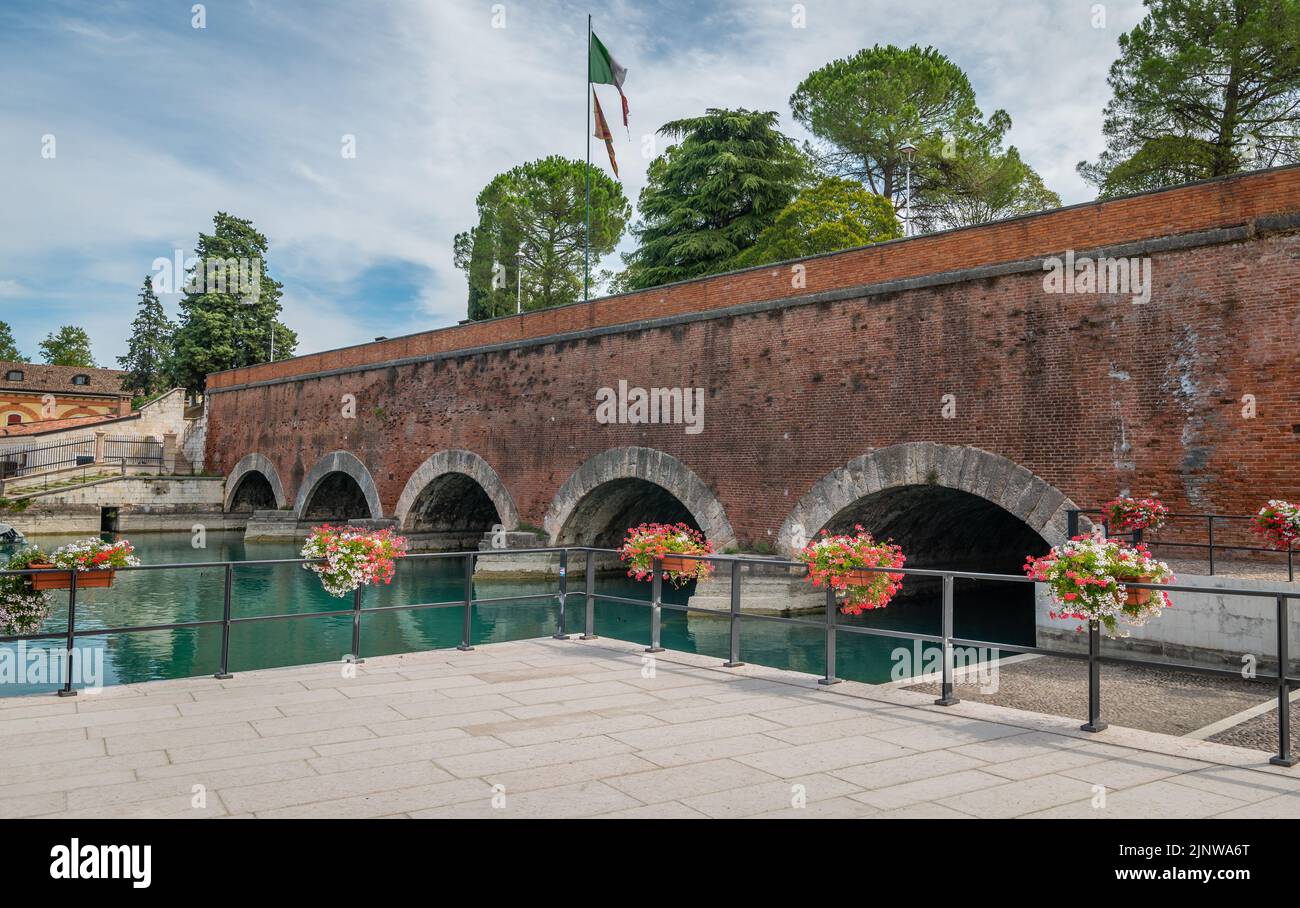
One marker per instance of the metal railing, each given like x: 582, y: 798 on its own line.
x: 133, y: 450
x: 829, y: 624
x: 1209, y: 546
x: 17, y: 462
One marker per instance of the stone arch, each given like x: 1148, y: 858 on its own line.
x: 254, y: 463
x: 348, y: 464
x: 622, y: 468
x: 987, y: 476
x: 455, y: 462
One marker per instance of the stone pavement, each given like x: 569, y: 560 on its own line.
x: 553, y: 728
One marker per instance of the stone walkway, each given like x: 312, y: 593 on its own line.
x: 551, y: 728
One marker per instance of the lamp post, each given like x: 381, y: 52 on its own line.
x: 908, y: 149
x: 519, y: 282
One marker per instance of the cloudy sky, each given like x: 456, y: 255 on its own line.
x: 157, y: 125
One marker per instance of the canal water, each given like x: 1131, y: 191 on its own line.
x: 196, y: 594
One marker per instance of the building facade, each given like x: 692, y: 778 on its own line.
x: 33, y: 392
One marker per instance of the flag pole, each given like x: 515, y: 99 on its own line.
x: 586, y: 236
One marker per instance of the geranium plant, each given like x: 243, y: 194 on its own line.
x: 1087, y: 579
x: 95, y: 554
x: 351, y: 557
x: 1126, y: 514
x: 1278, y: 523
x: 839, y: 562
x: 669, y: 542
x: 22, y: 608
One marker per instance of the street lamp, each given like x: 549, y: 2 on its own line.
x: 908, y: 149
x: 519, y: 282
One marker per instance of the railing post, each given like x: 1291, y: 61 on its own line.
x: 71, y: 641
x: 733, y: 649
x: 656, y: 601
x: 223, y: 673
x: 1284, y: 756
x: 563, y: 594
x: 1290, y: 561
x: 946, y: 697
x: 589, y: 629
x: 1210, y: 523
x: 469, y: 602
x: 830, y: 639
x: 356, y: 627
x: 1072, y: 523
x: 1094, y: 722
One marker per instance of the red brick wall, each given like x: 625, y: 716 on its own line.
x: 1056, y: 383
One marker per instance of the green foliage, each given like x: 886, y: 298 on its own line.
x: 531, y: 219
x: 710, y: 196
x: 226, y: 328
x: 830, y: 215
x: 149, y: 348
x: 864, y: 108
x: 69, y: 346
x: 1202, y: 88
x: 8, y: 349
x: 972, y: 180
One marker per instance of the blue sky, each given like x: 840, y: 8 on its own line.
x: 157, y: 125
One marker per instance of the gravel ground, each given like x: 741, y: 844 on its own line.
x: 1274, y: 569
x: 1159, y: 700
x: 1259, y: 732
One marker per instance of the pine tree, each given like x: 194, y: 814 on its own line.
x: 230, y: 307
x: 150, y: 346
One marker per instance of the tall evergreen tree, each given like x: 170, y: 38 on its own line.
x: 230, y: 306
x: 1202, y: 88
x: 711, y: 195
x: 69, y: 346
x: 531, y: 219
x: 864, y: 108
x: 8, y: 349
x: 150, y: 346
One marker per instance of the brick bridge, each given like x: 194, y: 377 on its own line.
x: 932, y: 389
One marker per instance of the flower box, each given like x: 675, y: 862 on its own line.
x: 678, y: 563
x: 840, y: 562
x: 1137, y: 597
x: 670, y: 543
x: 98, y: 579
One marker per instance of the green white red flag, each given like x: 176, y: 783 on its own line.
x: 605, y: 70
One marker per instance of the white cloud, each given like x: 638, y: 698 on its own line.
x: 160, y: 125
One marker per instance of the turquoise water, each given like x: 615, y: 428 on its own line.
x: 163, y: 597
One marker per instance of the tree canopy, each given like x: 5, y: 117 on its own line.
x: 972, y: 180
x: 8, y: 348
x: 711, y: 194
x: 230, y: 306
x: 864, y: 108
x: 149, y: 347
x: 831, y: 215
x: 531, y: 225
x: 69, y: 346
x: 1202, y: 88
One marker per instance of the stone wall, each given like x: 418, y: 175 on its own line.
x: 952, y: 339
x: 144, y: 503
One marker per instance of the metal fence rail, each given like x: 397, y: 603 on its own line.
x: 20, y: 461
x: 1209, y: 546
x: 133, y: 450
x: 829, y: 624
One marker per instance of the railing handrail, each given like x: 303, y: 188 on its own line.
x: 947, y: 639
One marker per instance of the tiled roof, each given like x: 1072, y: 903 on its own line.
x: 38, y: 377
x: 41, y: 426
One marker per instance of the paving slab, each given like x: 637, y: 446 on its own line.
x: 569, y: 728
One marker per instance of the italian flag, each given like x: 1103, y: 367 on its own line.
x: 603, y: 69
